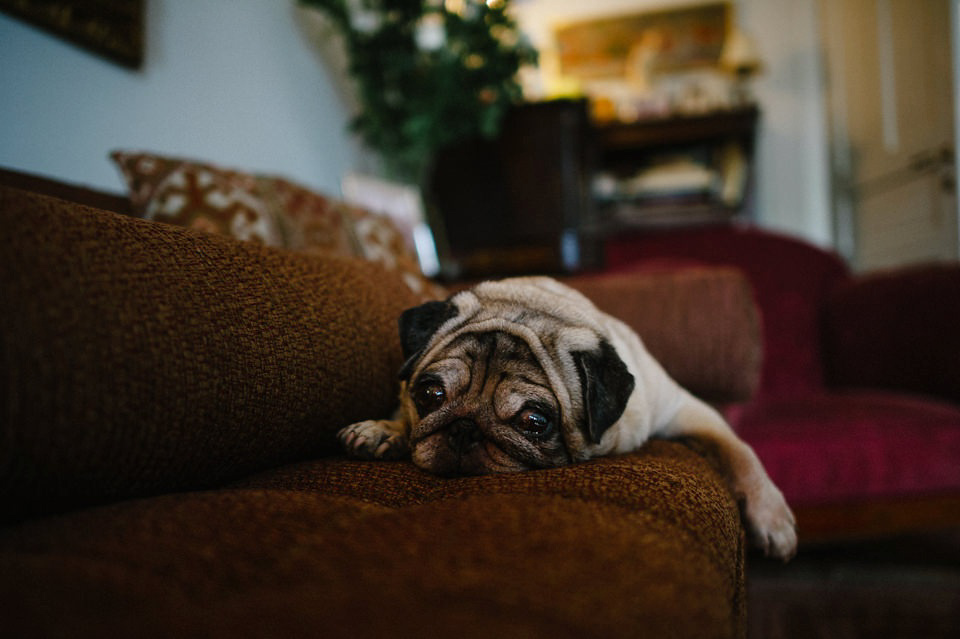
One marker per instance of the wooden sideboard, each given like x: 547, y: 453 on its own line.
x: 544, y: 194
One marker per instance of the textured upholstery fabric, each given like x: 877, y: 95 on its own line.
x: 647, y: 544
x: 701, y: 323
x: 189, y: 384
x: 140, y: 357
x: 74, y: 193
x: 856, y: 445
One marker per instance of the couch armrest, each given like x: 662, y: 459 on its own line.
x: 137, y: 357
x: 897, y: 330
x: 700, y: 322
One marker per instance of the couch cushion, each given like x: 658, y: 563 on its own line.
x: 897, y: 329
x: 790, y: 279
x: 649, y: 542
x: 139, y: 357
x: 699, y: 322
x: 855, y: 446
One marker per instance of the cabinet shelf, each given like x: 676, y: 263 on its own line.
x: 681, y: 129
x: 720, y: 142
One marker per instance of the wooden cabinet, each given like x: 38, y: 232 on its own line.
x: 516, y: 203
x: 544, y: 194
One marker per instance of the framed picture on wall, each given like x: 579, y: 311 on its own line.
x: 110, y: 28
x: 666, y: 41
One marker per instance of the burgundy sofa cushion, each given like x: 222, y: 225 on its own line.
x: 852, y: 462
x: 897, y: 329
x: 855, y: 446
x: 790, y: 280
x: 699, y: 322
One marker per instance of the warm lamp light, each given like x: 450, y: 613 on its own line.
x: 741, y: 58
x: 740, y: 54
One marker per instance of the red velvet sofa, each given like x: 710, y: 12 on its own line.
x: 857, y: 417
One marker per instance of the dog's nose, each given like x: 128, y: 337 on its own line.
x: 463, y: 434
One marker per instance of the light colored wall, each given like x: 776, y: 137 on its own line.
x: 231, y: 81
x: 792, y: 167
x: 236, y: 82
x: 793, y: 183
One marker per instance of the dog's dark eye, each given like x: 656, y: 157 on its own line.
x: 429, y: 396
x: 533, y: 422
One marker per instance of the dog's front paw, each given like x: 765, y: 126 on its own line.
x: 771, y: 523
x: 375, y: 439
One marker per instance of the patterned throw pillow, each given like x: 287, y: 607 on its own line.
x: 265, y: 209
x: 197, y: 196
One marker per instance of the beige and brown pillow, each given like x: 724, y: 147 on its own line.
x: 266, y: 209
x: 198, y: 196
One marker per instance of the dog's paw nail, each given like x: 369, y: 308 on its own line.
x: 374, y: 440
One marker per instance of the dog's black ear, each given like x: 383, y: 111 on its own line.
x: 417, y: 326
x: 606, y: 384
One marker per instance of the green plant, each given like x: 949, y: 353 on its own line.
x: 428, y: 72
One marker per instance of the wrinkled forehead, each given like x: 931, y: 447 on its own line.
x: 490, y: 345
x: 550, y: 339
x: 462, y: 347
x: 489, y: 351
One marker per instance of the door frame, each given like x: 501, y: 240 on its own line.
x: 955, y: 50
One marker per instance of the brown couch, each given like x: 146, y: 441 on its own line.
x: 167, y: 467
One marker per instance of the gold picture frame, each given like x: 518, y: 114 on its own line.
x: 110, y: 28
x: 679, y: 39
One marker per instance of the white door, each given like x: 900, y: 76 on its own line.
x: 891, y: 106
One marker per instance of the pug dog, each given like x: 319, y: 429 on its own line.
x: 526, y: 373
